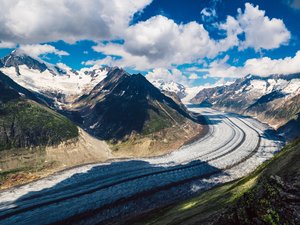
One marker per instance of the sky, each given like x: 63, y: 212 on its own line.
x: 193, y: 42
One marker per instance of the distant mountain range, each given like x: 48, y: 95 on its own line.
x: 53, y: 117
x: 98, y: 98
x: 62, y: 84
x: 107, y: 102
x: 171, y: 86
x: 274, y: 99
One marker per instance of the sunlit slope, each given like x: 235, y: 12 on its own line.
x: 269, y: 195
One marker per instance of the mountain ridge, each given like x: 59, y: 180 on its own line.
x: 273, y: 99
x: 115, y: 105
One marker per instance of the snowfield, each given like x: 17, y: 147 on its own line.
x: 118, y: 190
x: 69, y: 84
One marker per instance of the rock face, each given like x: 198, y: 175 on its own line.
x: 122, y: 104
x: 274, y: 99
x: 15, y: 60
x: 25, y: 123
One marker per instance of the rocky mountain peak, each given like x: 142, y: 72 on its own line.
x: 17, y: 58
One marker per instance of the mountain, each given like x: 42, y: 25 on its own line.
x: 26, y: 124
x: 108, y: 103
x: 122, y: 104
x: 15, y: 60
x: 274, y: 99
x: 35, y: 140
x: 171, y: 86
x: 58, y: 82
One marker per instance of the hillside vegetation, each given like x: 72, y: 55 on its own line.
x: 25, y: 124
x: 269, y: 195
x: 26, y: 129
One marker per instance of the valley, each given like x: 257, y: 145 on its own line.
x: 233, y: 147
x: 54, y: 118
x: 152, y: 112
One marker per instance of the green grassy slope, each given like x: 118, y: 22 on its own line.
x: 25, y: 124
x: 26, y: 128
x: 269, y: 195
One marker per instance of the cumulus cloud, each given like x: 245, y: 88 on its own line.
x: 107, y: 61
x: 159, y: 42
x: 35, y: 21
x: 127, y: 60
x: 208, y: 14
x: 7, y: 44
x: 40, y: 49
x: 161, y: 38
x: 174, y: 75
x: 261, y: 32
x: 257, y: 66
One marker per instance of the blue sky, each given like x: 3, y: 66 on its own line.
x: 194, y: 42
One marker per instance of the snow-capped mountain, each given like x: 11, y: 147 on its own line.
x: 171, y: 86
x: 274, y: 99
x: 55, y: 81
x: 123, y: 103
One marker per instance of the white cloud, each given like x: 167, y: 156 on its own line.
x: 127, y: 59
x: 38, y: 50
x: 35, y: 21
x: 174, y: 75
x: 257, y: 66
x: 7, y: 44
x: 160, y: 38
x: 208, y: 14
x: 193, y: 76
x: 160, y: 42
x: 107, y: 61
x: 261, y: 32
x: 233, y: 29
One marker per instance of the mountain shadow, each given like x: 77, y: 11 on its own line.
x: 110, y: 193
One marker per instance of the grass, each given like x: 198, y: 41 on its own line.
x: 26, y: 128
x: 156, y: 123
x: 248, y: 190
x: 19, y: 163
x: 27, y: 124
x: 160, y: 120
